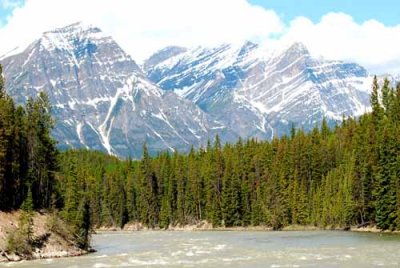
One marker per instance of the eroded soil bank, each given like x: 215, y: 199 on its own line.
x: 49, y: 243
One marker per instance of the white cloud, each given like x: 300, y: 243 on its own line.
x: 143, y: 26
x: 338, y: 36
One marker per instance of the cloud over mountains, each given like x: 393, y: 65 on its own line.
x: 143, y: 26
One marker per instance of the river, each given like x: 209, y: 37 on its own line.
x: 234, y: 249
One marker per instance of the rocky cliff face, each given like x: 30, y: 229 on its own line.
x: 257, y: 92
x: 101, y: 98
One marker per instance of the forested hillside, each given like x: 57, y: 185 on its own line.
x: 29, y: 181
x: 27, y: 151
x: 338, y: 177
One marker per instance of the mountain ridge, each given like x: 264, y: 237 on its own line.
x: 258, y: 82
x: 179, y: 97
x: 101, y: 98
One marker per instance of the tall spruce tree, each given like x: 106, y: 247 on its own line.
x: 148, y: 191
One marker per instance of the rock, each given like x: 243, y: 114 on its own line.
x: 135, y: 226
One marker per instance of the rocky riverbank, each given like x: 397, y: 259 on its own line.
x: 206, y: 226
x: 48, y: 242
x: 371, y: 229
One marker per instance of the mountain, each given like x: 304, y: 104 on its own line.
x: 262, y: 93
x: 102, y: 99
x: 179, y: 97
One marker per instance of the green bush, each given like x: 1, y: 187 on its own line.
x: 57, y: 226
x: 19, y: 244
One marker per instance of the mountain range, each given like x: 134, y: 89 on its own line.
x: 179, y: 97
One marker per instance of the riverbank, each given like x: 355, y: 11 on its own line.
x: 55, y: 245
x: 206, y: 226
x: 371, y: 229
x: 233, y: 250
x: 48, y: 242
x: 200, y: 226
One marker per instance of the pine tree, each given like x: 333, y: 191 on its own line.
x: 148, y: 191
x: 131, y: 197
x: 387, y: 178
x: 230, y: 193
x: 2, y: 84
x: 83, y: 224
x: 386, y: 96
x: 194, y: 194
x: 180, y: 189
x: 376, y: 106
x: 396, y: 105
x: 26, y: 218
x: 72, y: 191
x: 167, y: 190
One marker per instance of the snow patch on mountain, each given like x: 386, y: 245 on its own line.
x: 101, y: 98
x: 268, y: 88
x: 180, y: 96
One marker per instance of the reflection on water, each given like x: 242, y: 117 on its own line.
x: 234, y: 249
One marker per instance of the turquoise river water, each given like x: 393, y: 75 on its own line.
x: 233, y: 249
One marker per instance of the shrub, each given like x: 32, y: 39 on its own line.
x: 18, y: 243
x: 57, y: 226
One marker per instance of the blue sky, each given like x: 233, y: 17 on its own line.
x: 3, y: 14
x: 6, y: 7
x: 385, y: 11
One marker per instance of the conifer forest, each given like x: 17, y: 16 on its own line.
x: 328, y: 177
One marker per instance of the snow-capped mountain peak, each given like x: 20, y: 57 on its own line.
x: 77, y: 28
x: 102, y: 100
x: 297, y: 47
x: 183, y: 96
x: 74, y: 35
x: 259, y: 92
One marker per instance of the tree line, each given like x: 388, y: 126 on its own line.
x: 28, y: 154
x: 349, y: 175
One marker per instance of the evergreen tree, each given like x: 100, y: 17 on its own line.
x: 387, y: 178
x: 376, y: 107
x: 2, y: 84
x: 26, y: 218
x: 148, y: 191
